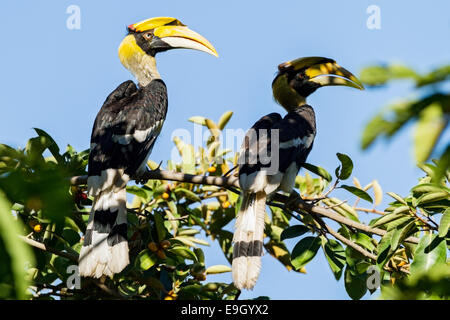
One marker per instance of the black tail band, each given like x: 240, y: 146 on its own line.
x: 247, y: 249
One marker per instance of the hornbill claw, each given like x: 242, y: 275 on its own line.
x: 142, y: 177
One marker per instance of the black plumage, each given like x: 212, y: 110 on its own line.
x: 127, y: 110
x: 297, y: 124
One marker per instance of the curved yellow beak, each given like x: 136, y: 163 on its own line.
x: 323, y: 71
x: 174, y: 33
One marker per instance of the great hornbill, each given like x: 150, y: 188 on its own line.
x: 273, y: 152
x: 123, y: 136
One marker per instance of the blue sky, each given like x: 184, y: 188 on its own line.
x: 56, y: 79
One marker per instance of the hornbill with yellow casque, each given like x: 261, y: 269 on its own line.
x: 123, y: 136
x: 273, y: 152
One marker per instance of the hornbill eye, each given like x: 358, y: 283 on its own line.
x: 148, y: 35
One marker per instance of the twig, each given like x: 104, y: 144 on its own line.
x: 370, y: 210
x: 331, y: 189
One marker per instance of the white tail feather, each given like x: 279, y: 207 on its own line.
x: 249, y: 230
x: 99, y: 258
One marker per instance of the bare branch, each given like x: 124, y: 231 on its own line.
x: 350, y: 243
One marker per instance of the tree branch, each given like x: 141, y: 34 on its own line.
x: 71, y: 256
x: 233, y: 182
x: 350, y: 243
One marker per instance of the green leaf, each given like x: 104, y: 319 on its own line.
x: 363, y: 240
x: 304, y: 251
x: 355, y: 285
x: 200, y: 255
x: 397, y: 197
x: 429, y: 127
x: 432, y: 197
x: 224, y: 119
x: 428, y: 188
x: 51, y: 145
x: 374, y: 75
x: 444, y: 223
x: 430, y: 251
x: 145, y: 195
x: 19, y: 253
x: 346, y: 167
x: 188, y: 194
x: 183, y: 252
x: 146, y: 259
x: 398, y: 71
x: 293, y: 231
x: 384, y: 249
x: 401, y: 232
x: 71, y: 236
x: 187, y: 154
x: 335, y: 254
x: 160, y: 228
x: 358, y: 192
x: 213, y: 128
x: 401, y: 209
x: 376, y: 127
x: 318, y: 170
x: 438, y: 75
x: 399, y: 223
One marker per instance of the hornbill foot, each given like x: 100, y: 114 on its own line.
x: 142, y: 177
x: 292, y: 199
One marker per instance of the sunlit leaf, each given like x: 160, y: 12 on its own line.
x: 378, y: 193
x: 20, y: 254
x: 318, y: 170
x: 429, y: 127
x: 444, y: 223
x: 146, y: 259
x: 397, y: 197
x: 198, y: 120
x: 218, y: 269
x: 430, y: 251
x: 224, y: 119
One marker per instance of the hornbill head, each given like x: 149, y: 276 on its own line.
x: 146, y: 38
x: 298, y: 78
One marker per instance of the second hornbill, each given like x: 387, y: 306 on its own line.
x: 123, y: 136
x: 273, y: 152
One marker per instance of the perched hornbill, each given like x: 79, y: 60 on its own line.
x: 273, y: 152
x: 123, y: 135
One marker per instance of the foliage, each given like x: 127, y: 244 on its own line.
x: 431, y: 111
x: 170, y: 221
